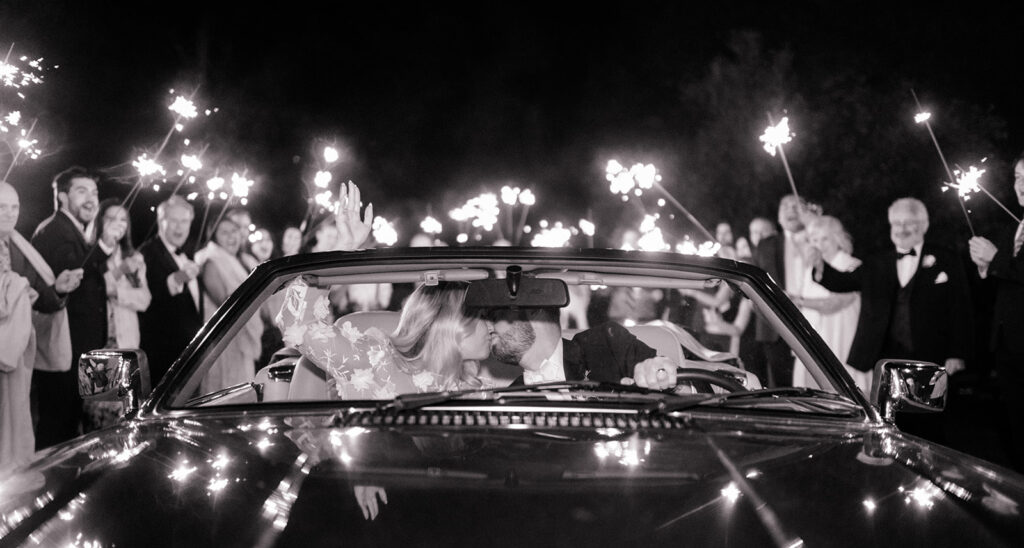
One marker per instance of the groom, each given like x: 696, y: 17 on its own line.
x: 532, y: 339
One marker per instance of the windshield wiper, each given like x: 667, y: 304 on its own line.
x: 785, y: 394
x: 405, y: 402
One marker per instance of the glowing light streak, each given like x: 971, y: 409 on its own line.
x: 430, y: 225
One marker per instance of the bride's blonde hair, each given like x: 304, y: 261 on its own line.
x: 433, y: 322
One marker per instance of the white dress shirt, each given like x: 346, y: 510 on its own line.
x: 793, y: 243
x: 173, y: 285
x: 906, y: 266
x: 551, y: 369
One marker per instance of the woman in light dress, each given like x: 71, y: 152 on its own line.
x: 833, y: 315
x: 222, y: 272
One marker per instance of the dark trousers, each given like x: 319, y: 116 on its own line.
x: 58, y: 406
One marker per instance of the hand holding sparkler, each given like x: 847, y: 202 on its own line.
x: 352, y: 231
x: 68, y: 280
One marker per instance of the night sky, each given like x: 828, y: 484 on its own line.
x: 435, y: 104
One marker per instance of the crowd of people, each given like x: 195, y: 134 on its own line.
x: 80, y: 284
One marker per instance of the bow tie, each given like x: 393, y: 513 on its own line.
x: 901, y: 254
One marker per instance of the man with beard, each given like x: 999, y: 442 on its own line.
x: 532, y: 339
x: 67, y: 241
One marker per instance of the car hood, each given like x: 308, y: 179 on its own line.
x: 467, y: 479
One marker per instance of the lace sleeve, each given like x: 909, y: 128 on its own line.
x: 305, y: 324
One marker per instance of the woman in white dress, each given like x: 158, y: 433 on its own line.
x: 833, y: 315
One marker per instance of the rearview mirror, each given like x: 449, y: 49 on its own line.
x: 909, y: 386
x: 114, y: 375
x: 517, y: 291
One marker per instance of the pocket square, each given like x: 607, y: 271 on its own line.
x: 941, y: 278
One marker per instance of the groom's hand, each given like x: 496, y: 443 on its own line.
x: 658, y: 373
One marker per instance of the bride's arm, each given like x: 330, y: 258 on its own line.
x: 305, y: 323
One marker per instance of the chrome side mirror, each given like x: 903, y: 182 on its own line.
x: 122, y: 375
x: 912, y: 386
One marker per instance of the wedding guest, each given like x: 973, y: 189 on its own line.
x: 27, y: 284
x: 759, y: 229
x: 291, y: 241
x: 241, y: 217
x: 127, y: 295
x: 67, y: 241
x: 1001, y: 264
x: 782, y: 256
x: 261, y: 245
x: 174, y: 314
x: 915, y: 303
x: 723, y: 234
x: 222, y: 272
x: 833, y: 315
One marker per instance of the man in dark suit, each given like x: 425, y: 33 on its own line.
x: 1003, y: 266
x: 782, y: 257
x: 915, y: 302
x: 174, y: 315
x: 66, y: 240
x: 532, y: 339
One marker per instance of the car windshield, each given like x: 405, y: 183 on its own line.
x: 381, y: 330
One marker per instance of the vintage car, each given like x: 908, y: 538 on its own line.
x: 725, y: 458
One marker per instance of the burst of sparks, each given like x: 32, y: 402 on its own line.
x: 510, y: 195
x: 215, y: 183
x: 922, y: 117
x: 21, y: 73
x: 705, y: 249
x: 776, y: 136
x: 636, y: 179
x: 384, y: 232
x: 330, y: 154
x: 240, y: 185
x: 553, y: 236
x: 147, y: 166
x: 29, y: 145
x: 191, y: 162
x: 430, y: 225
x: 183, y: 107
x: 323, y: 199
x: 322, y: 179
x: 967, y: 182
x: 587, y: 227
x: 527, y: 198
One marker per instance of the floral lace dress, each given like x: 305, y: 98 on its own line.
x: 361, y: 365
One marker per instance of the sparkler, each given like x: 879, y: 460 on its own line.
x: 922, y: 117
x: 17, y: 75
x: 774, y: 136
x: 430, y: 225
x: 641, y: 177
x: 552, y: 236
x: 969, y: 182
x: 527, y: 199
x: 384, y: 231
x: 240, y: 186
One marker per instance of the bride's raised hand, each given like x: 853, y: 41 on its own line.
x: 352, y: 231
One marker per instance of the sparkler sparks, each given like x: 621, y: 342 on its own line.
x: 183, y: 107
x: 430, y: 225
x: 775, y: 136
x: 147, y: 166
x: 384, y: 232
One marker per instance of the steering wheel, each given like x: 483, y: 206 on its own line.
x: 722, y: 380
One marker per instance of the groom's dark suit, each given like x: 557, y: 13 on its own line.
x: 171, y: 321
x: 937, y: 298
x: 605, y: 353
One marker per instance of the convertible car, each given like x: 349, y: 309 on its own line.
x: 727, y: 457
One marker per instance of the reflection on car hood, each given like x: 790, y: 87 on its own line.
x: 244, y: 480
